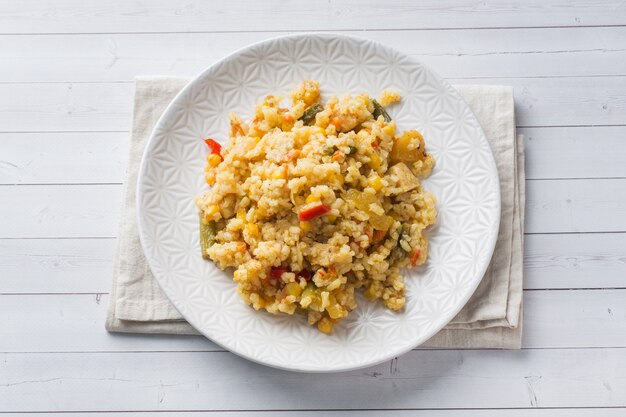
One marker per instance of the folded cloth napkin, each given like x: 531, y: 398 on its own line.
x: 491, y: 318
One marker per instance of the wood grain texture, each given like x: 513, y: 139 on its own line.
x: 594, y: 260
x: 452, y: 53
x: 221, y: 381
x: 75, y: 323
x: 575, y: 152
x: 585, y: 205
x: 75, y: 16
x: 65, y: 112
x: 63, y: 157
x: 60, y: 210
x: 30, y: 266
x: 522, y: 412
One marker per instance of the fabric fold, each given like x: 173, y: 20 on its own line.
x: 490, y: 319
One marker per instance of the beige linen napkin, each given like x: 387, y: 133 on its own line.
x: 491, y: 318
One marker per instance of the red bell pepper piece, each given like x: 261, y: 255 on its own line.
x: 310, y: 213
x: 278, y: 272
x: 215, y: 147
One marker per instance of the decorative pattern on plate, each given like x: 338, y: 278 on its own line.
x: 464, y: 181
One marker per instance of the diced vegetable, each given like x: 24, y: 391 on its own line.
x: 376, y: 183
x: 379, y: 235
x: 362, y: 201
x: 207, y: 235
x: 338, y: 156
x: 329, y: 150
x: 278, y: 272
x: 406, y: 179
x: 311, y: 212
x: 306, y: 226
x: 379, y: 110
x: 309, y: 114
x: 409, y: 147
x: 325, y: 325
x: 370, y: 293
x: 336, y: 311
x: 215, y: 147
x: 304, y: 274
x: 293, y: 288
x: 352, y: 150
x: 375, y: 160
x: 415, y: 257
x: 310, y: 291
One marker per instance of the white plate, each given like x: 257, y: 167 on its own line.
x: 465, y: 182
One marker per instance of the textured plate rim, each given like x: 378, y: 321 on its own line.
x: 365, y: 363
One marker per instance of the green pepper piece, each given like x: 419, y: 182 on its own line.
x: 352, y: 150
x: 207, y: 236
x: 309, y: 114
x: 380, y: 111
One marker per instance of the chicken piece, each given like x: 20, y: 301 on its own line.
x: 401, y: 179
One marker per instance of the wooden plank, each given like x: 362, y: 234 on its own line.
x: 52, y: 211
x: 59, y: 210
x: 575, y: 152
x: 566, y: 101
x: 56, y: 265
x: 452, y: 53
x: 63, y: 157
x: 554, y: 206
x: 100, y: 157
x: 217, y: 381
x: 549, y: 101
x: 595, y: 260
x: 75, y: 322
x: 75, y: 16
x: 501, y: 412
x: 65, y: 107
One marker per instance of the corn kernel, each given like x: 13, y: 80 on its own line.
x: 211, y: 210
x: 325, y: 325
x: 375, y: 161
x: 312, y: 198
x: 252, y: 229
x: 390, y: 130
x: 241, y: 214
x: 306, y: 226
x: 376, y: 183
x: 213, y: 160
x: 335, y: 311
x: 279, y: 174
x: 293, y: 289
x: 371, y: 294
x: 209, y: 177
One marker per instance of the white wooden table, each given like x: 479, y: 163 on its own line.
x: 65, y: 112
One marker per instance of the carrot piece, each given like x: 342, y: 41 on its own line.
x: 415, y: 256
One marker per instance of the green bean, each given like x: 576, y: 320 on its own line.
x: 380, y: 111
x: 309, y: 114
x: 207, y: 236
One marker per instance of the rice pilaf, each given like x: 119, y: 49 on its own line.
x: 310, y: 202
